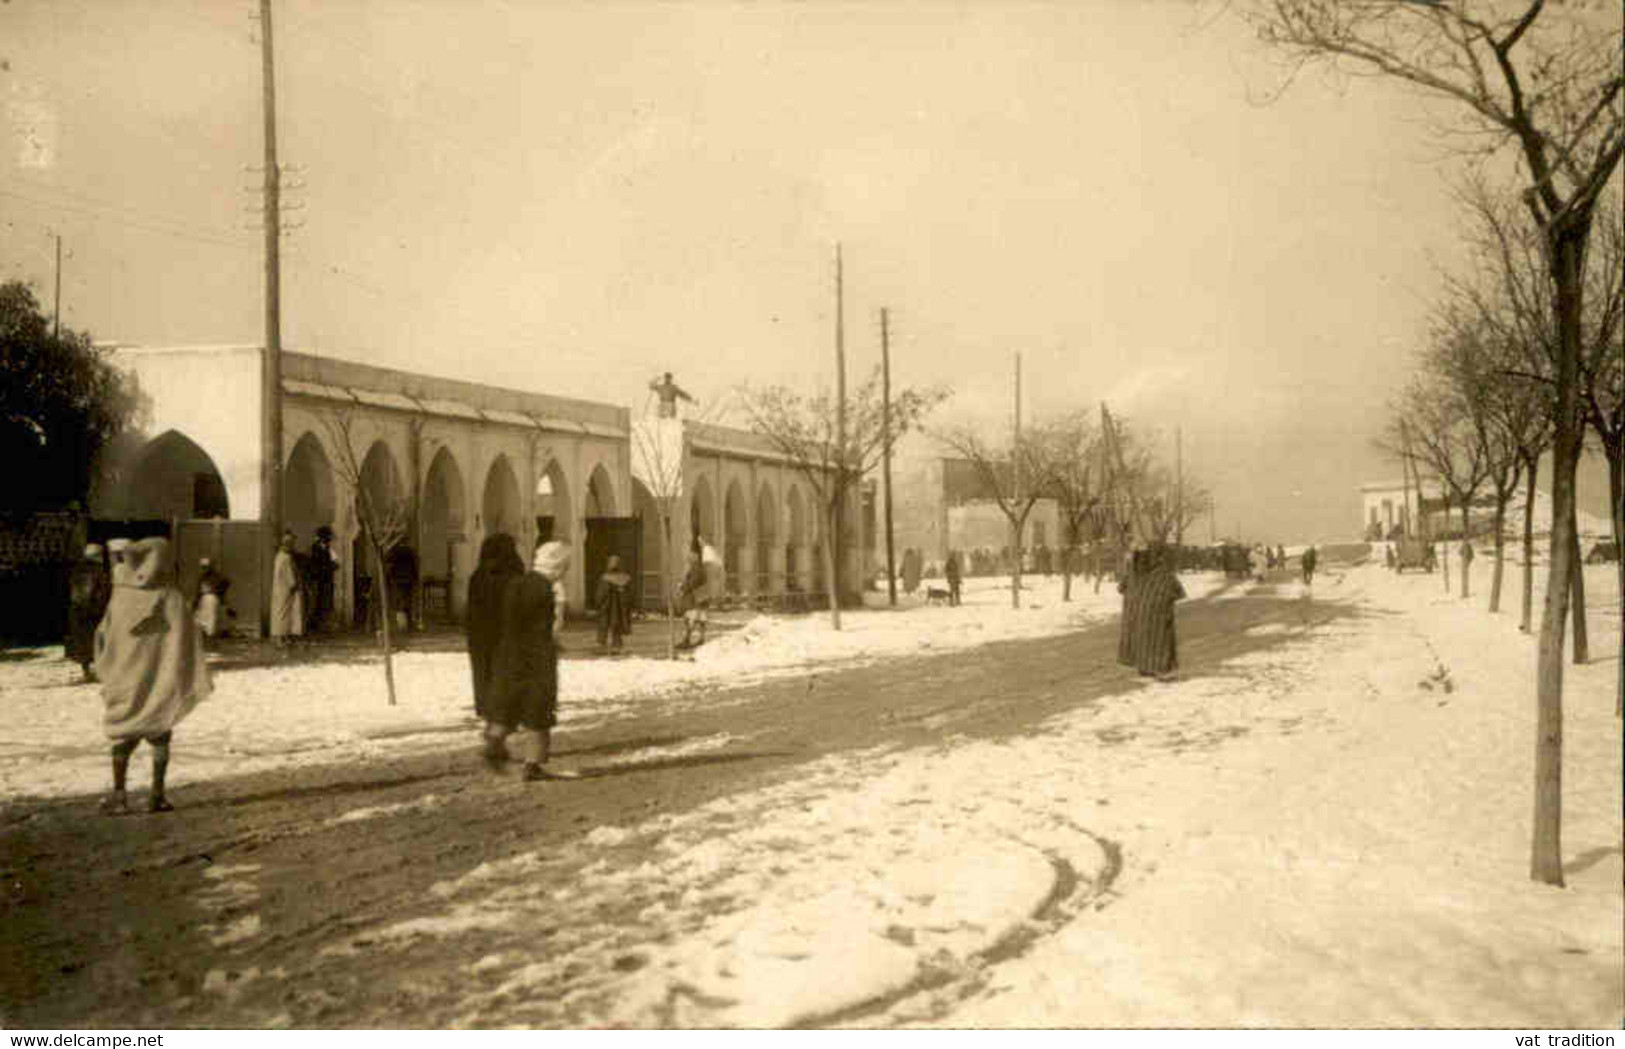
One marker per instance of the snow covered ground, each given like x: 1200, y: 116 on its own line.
x: 296, y: 714
x: 1330, y: 833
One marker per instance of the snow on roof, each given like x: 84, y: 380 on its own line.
x: 316, y: 389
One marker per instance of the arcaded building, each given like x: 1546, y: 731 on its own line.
x: 734, y: 489
x: 466, y: 461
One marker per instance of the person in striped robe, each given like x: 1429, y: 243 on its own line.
x: 1155, y: 650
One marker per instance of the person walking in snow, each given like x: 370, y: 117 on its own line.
x: 614, y: 601
x: 149, y: 657
x: 89, y: 588
x: 692, y: 598
x: 1309, y: 558
x: 482, y: 619
x: 1155, y: 647
x: 526, y: 678
x: 952, y: 571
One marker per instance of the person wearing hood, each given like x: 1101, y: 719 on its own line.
x: 482, y: 619
x: 149, y: 656
x: 614, y: 601
x: 89, y: 587
x: 692, y: 599
x: 525, y: 692
x: 1155, y: 650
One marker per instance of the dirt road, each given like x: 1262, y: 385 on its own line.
x: 156, y: 921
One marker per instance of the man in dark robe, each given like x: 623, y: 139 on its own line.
x: 1308, y: 560
x: 323, y: 567
x: 614, y: 601
x: 954, y: 574
x: 1155, y: 650
x: 482, y: 618
x: 526, y: 678
x: 89, y: 587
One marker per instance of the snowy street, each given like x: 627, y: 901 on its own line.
x: 941, y: 817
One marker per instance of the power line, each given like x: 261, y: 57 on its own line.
x: 131, y: 223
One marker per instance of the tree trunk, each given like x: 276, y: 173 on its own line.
x: 1577, y: 595
x: 384, y: 620
x: 1533, y: 463
x: 1466, y: 529
x: 1066, y: 575
x: 1566, y: 251
x: 1501, y: 501
x: 833, y: 515
x: 665, y: 583
x: 1616, y: 505
x: 1015, y: 565
x: 1444, y: 548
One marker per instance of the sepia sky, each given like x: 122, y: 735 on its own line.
x: 571, y: 197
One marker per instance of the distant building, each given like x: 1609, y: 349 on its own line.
x: 1390, y: 509
x: 942, y: 503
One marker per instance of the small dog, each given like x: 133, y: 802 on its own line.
x: 936, y: 595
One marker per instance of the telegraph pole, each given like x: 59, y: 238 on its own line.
x: 840, y: 441
x: 1015, y: 530
x: 1179, y: 486
x: 56, y: 323
x: 885, y: 475
x: 271, y: 359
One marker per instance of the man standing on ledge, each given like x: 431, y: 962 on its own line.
x: 668, y: 392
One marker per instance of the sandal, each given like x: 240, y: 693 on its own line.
x: 115, y: 804
x: 160, y: 803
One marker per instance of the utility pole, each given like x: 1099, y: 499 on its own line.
x: 56, y: 323
x: 840, y: 442
x: 1015, y: 530
x: 271, y: 359
x: 1179, y: 487
x: 885, y: 475
x: 1405, y: 472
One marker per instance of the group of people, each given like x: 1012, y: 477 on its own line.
x: 302, y: 587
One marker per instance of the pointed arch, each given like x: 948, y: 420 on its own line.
x: 736, y: 534
x: 600, y: 493
x: 173, y: 477
x: 445, y: 515
x: 553, y: 508
x: 308, y: 501
x: 500, y: 507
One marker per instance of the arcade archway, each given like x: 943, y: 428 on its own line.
x: 500, y: 506
x: 307, y: 490
x: 174, y: 478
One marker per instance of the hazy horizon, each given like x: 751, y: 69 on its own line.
x: 572, y: 198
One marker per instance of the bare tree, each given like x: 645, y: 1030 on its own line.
x: 1514, y: 297
x: 1014, y: 476
x: 385, y: 519
x: 804, y: 430
x: 658, y: 451
x: 1545, y: 79
x: 1074, y: 459
x: 1444, y: 422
